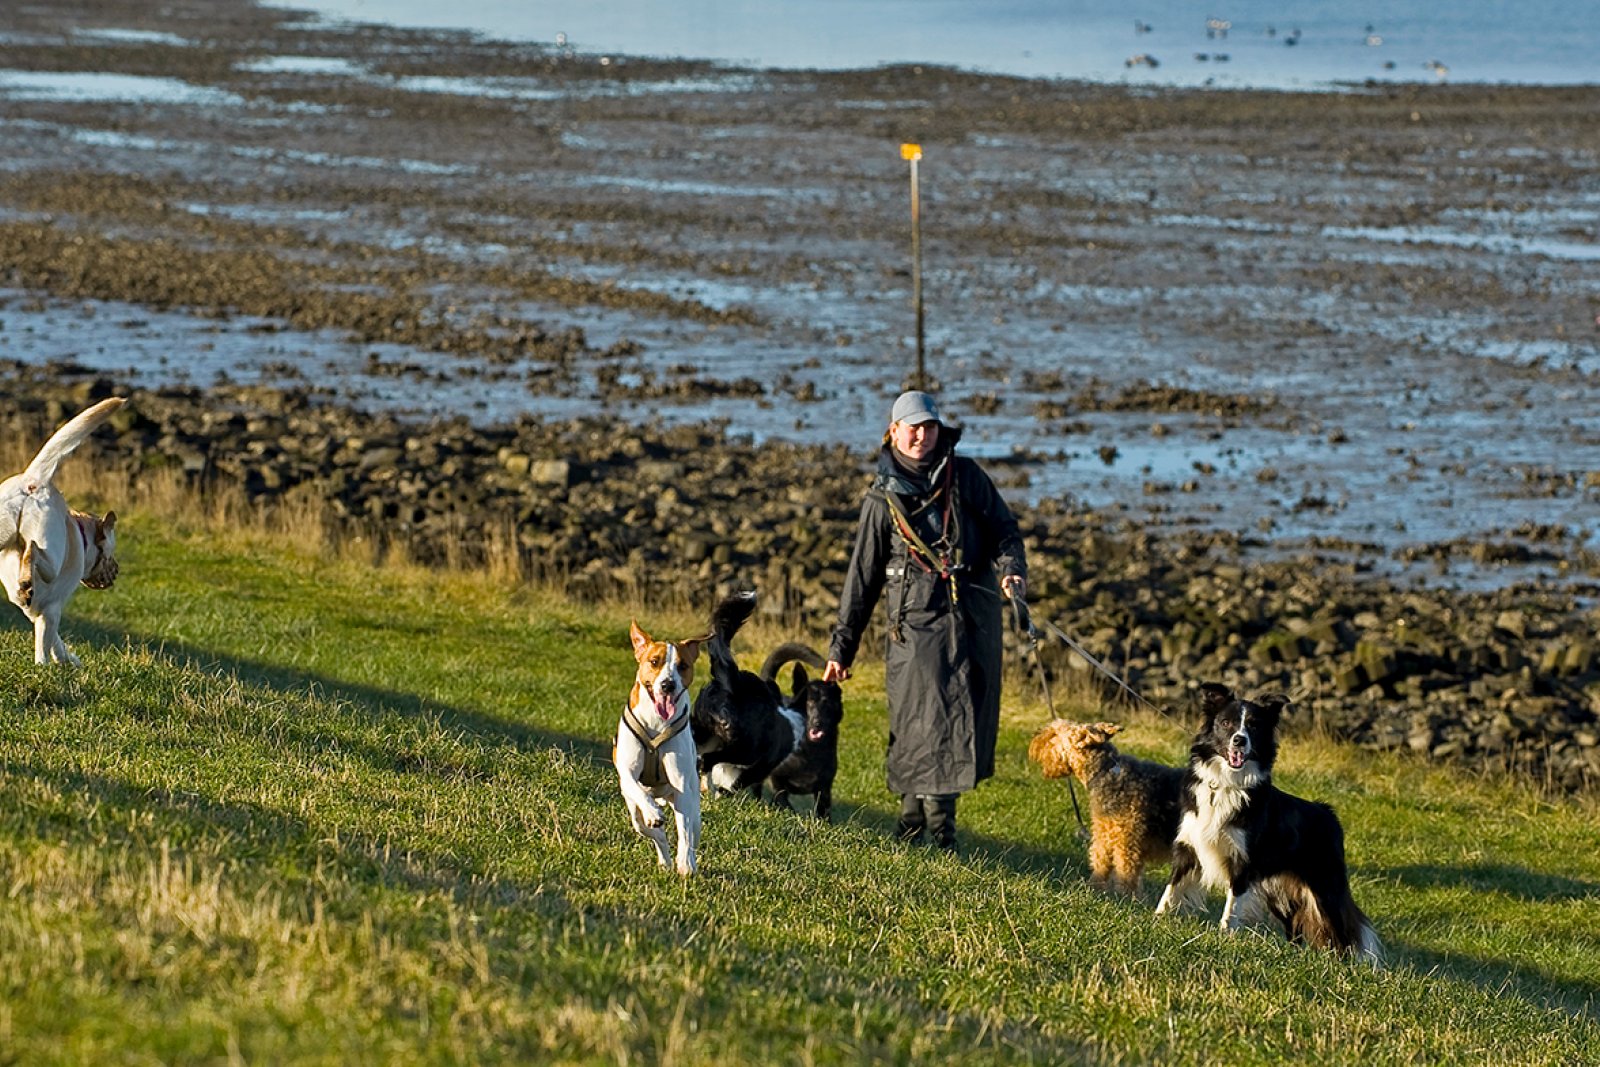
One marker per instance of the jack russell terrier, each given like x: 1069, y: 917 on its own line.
x: 654, y: 753
x: 46, y: 548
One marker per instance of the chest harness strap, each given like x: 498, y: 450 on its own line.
x: 946, y: 563
x: 652, y: 775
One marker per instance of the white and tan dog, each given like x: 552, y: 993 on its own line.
x: 46, y: 548
x: 654, y: 753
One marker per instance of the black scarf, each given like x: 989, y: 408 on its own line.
x: 921, y: 474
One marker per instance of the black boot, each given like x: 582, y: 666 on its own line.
x: 911, y: 820
x: 940, y: 815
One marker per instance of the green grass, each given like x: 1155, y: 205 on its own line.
x: 294, y: 809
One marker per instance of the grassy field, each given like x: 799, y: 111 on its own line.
x: 300, y: 809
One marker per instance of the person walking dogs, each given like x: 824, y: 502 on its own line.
x: 933, y: 533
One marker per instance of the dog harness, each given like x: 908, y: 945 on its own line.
x: 653, y: 774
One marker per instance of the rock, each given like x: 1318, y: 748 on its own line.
x: 557, y: 472
x: 1279, y: 646
x: 1348, y: 679
x: 1377, y: 660
x: 1514, y: 623
x: 659, y: 472
x: 380, y: 458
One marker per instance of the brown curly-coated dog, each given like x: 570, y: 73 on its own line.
x: 1134, y: 805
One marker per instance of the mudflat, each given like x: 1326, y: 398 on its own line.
x: 1291, y: 389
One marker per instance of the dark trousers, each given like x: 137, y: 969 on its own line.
x: 935, y: 815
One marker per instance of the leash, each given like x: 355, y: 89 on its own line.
x: 1067, y: 640
x: 1025, y: 627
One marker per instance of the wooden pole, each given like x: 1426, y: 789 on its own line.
x: 912, y: 153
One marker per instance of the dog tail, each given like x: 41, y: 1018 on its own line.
x: 732, y: 613
x: 791, y: 652
x: 1364, y: 943
x: 1331, y: 919
x: 42, y: 471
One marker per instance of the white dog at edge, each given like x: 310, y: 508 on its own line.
x: 654, y: 754
x: 46, y: 548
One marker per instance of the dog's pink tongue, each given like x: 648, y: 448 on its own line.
x: 1235, y: 759
x: 665, y: 706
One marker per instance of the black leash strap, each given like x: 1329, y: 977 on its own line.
x: 1024, y: 619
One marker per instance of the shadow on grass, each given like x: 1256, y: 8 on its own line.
x: 1512, y: 881
x: 1013, y: 856
x: 373, y: 702
x: 1577, y: 998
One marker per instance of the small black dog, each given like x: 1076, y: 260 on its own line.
x: 815, y: 761
x: 741, y: 728
x: 1265, y: 848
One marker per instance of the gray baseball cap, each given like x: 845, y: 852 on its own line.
x: 914, y: 407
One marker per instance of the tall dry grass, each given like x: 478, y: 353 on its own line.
x: 301, y: 516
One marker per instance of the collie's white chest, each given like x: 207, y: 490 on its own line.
x: 1211, y: 830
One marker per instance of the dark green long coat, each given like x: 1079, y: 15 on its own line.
x: 943, y: 646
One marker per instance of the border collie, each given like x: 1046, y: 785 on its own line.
x: 1265, y: 848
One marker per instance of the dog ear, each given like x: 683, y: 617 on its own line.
x: 801, y: 678
x: 1274, y: 704
x: 1045, y: 749
x: 1098, y: 734
x: 108, y: 523
x: 1215, y: 697
x: 689, y: 650
x: 638, y: 637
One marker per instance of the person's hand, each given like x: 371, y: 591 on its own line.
x: 835, y: 671
x: 1014, y: 586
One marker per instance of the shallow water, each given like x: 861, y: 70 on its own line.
x: 94, y: 87
x: 1532, y: 41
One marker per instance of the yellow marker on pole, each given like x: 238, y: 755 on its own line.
x: 912, y: 153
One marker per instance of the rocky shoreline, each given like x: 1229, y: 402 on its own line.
x: 1506, y: 679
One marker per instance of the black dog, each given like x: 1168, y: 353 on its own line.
x: 1266, y: 848
x: 811, y: 768
x: 741, y: 728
